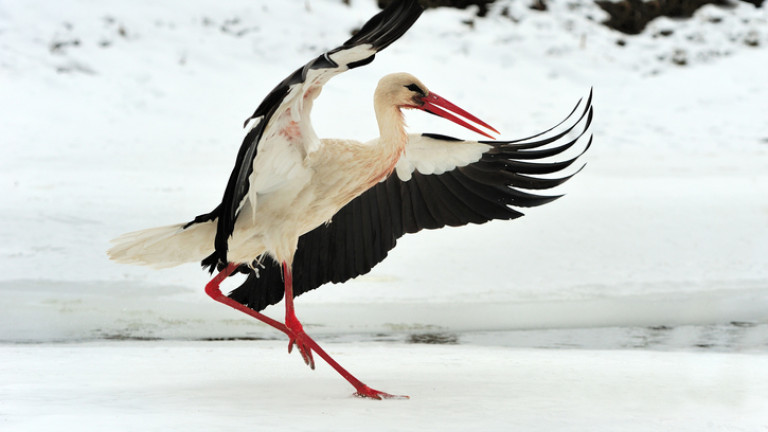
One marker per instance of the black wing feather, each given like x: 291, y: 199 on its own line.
x: 380, y: 31
x: 362, y: 233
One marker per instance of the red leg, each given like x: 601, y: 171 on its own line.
x: 212, y: 289
x: 306, y: 344
x: 297, y: 336
x: 293, y: 329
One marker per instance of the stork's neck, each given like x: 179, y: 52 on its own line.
x: 392, y: 134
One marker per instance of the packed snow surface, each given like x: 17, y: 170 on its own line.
x: 636, y: 302
x: 233, y: 386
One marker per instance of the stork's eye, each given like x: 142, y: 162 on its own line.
x: 416, y: 89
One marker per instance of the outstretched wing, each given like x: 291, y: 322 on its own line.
x: 288, y: 106
x: 439, y: 181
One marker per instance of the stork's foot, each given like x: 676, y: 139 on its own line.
x: 367, y: 392
x: 301, y: 340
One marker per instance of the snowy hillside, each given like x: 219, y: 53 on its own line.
x: 117, y: 116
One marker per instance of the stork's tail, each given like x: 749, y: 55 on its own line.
x: 166, y: 246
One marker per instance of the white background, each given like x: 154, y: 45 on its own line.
x: 636, y: 302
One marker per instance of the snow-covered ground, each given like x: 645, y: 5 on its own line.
x: 637, y: 301
x: 233, y: 386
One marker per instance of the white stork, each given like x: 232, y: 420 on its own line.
x: 299, y: 211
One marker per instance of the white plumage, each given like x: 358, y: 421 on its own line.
x: 327, y: 210
x: 433, y: 156
x: 293, y: 190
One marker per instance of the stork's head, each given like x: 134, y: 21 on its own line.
x: 404, y: 90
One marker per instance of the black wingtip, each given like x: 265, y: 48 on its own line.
x: 388, y: 25
x: 522, y: 143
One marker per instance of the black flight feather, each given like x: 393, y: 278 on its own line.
x: 363, y: 232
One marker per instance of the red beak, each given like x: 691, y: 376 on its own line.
x: 437, y: 105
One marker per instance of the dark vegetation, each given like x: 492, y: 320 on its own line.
x: 631, y: 16
x: 461, y: 4
x: 626, y: 16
